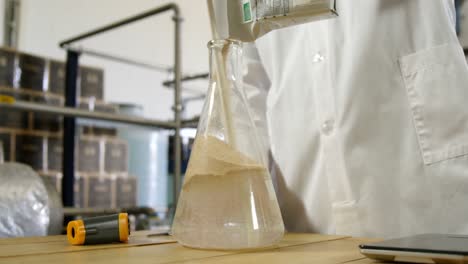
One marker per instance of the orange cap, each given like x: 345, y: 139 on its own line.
x: 123, y: 227
x: 76, y: 232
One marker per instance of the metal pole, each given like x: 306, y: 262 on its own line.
x: 187, y: 78
x: 121, y: 23
x: 177, y: 103
x: 69, y: 124
x: 98, y: 54
x: 73, y: 112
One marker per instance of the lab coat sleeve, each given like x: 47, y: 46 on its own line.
x: 256, y: 86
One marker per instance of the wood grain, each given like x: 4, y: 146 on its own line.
x: 334, y: 251
x: 294, y: 248
x: 59, y: 244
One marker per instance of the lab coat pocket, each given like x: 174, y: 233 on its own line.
x: 346, y: 217
x: 436, y: 82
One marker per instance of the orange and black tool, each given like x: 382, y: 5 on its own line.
x: 99, y: 230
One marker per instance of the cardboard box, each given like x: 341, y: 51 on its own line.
x: 6, y: 139
x: 89, y: 155
x: 80, y: 191
x: 31, y: 74
x: 31, y: 149
x: 7, y: 67
x: 12, y: 118
x: 126, y: 192
x: 115, y: 156
x: 80, y: 186
x: 47, y: 122
x: 105, y: 108
x: 98, y: 131
x: 91, y: 82
x: 57, y: 77
x: 85, y: 105
x: 42, y: 151
x: 54, y: 153
x: 101, y: 191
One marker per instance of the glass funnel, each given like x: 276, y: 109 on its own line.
x: 227, y: 200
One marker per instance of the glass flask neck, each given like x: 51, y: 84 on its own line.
x: 226, y: 55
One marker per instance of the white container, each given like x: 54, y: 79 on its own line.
x: 148, y: 161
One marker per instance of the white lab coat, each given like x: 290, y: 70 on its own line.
x: 367, y: 118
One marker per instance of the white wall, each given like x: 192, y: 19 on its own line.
x: 45, y: 23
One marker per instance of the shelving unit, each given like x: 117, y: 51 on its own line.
x: 73, y: 112
x: 71, y: 75
x: 70, y: 111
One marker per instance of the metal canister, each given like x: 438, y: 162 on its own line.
x: 99, y: 230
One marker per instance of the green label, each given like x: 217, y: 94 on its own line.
x: 247, y: 11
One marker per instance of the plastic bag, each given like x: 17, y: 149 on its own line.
x: 23, y: 202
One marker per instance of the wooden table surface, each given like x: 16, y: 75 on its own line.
x: 147, y: 248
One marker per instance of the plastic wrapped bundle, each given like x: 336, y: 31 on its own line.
x: 55, y: 209
x: 25, y: 205
x: 2, y: 156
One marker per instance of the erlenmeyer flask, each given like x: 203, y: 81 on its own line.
x: 227, y: 200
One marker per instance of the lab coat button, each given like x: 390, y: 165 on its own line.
x: 327, y: 127
x: 318, y: 57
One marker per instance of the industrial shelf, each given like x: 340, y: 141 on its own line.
x: 74, y: 112
x: 71, y: 112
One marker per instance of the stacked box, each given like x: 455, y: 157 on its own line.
x: 91, y: 83
x: 102, y: 154
x: 126, y: 192
x: 11, y: 118
x: 89, y: 158
x: 35, y: 138
x: 44, y: 121
x: 42, y: 152
x: 7, y: 67
x: 31, y: 74
x: 80, y: 186
x: 116, y: 156
x: 98, y: 131
x: 80, y: 191
x: 86, y: 105
x: 54, y: 153
x: 31, y: 149
x: 105, y: 108
x: 6, y: 139
x: 57, y: 77
x: 101, y: 191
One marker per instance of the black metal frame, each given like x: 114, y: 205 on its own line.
x: 69, y: 125
x: 73, y: 55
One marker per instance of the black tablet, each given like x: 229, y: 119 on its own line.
x: 426, y: 248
